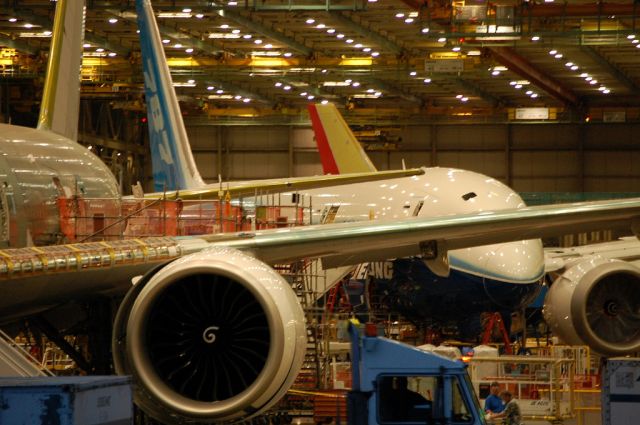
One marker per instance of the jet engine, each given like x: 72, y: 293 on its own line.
x: 597, y: 303
x: 214, y: 336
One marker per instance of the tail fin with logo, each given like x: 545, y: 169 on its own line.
x: 340, y: 151
x: 61, y: 96
x: 173, y: 165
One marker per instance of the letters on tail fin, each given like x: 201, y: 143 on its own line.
x: 172, y: 161
x: 340, y: 151
x: 59, y: 110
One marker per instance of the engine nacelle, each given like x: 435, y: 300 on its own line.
x: 597, y: 303
x: 214, y: 336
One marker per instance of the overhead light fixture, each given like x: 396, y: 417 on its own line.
x: 189, y: 50
x: 366, y: 49
x: 413, y: 73
x: 574, y: 67
x: 607, y: 91
x: 236, y: 31
x: 558, y: 56
x: 464, y: 99
x: 247, y: 36
x: 177, y: 46
x: 310, y: 21
x: 311, y: 97
x: 584, y: 75
x: 358, y: 46
x: 99, y: 50
x: 224, y: 26
x: 399, y: 15
x: 13, y: 20
x: 535, y: 38
x: 257, y: 41
x: 166, y: 41
x: 631, y: 36
x: 112, y: 54
x: 442, y: 40
x: 186, y: 10
x: 86, y: 45
x: 459, y: 96
x: 320, y: 26
x: 408, y: 21
x: 288, y: 54
x: 268, y: 46
x: 592, y: 82
x: 425, y: 30
x: 28, y: 26
x: 375, y: 54
x: 349, y: 41
x: 534, y: 95
x: 568, y: 64
x: 553, y: 52
x: 340, y: 35
x: 210, y: 88
x: 113, y: 20
x: 287, y: 87
x: 278, y: 84
x: 325, y: 101
x: 427, y: 80
x: 246, y: 100
x: 495, y: 73
x: 237, y: 97
x: 199, y: 16
x: 331, y: 30
x: 456, y: 49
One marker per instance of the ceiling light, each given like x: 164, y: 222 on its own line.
x: 558, y: 56
x: 456, y: 49
x: 177, y: 45
x: 375, y: 54
x: 233, y: 3
x: 287, y: 87
x: 99, y: 49
x: 408, y: 20
x: 191, y: 81
x: 310, y: 21
x: 311, y: 97
x: 574, y: 68
x: 278, y: 84
x: 631, y: 36
x: 358, y: 46
x: 584, y: 75
x: 247, y: 36
x: 592, y: 82
x: 113, y: 20
x: 413, y: 14
x: 366, y: 49
x: 246, y: 100
x: 112, y: 54
x: 568, y: 64
x: 378, y: 93
x: 225, y: 26
x: 459, y: 96
x: 442, y: 40
x: 425, y: 30
x: 535, y: 38
x: 331, y: 30
x: 553, y: 52
x: 288, y: 54
x: 534, y: 95
x: 399, y: 15
x: 513, y: 83
x: 588, y: 78
x: 210, y: 87
x: 189, y: 50
x: 86, y: 45
x: 219, y: 91
x: 602, y: 88
x: 236, y: 31
x: 199, y: 16
x: 494, y: 73
x: 635, y: 41
x: 340, y: 35
x: 356, y: 84
x: 186, y: 10
x: 607, y: 91
x: 518, y: 86
x: 349, y: 40
x: 464, y: 99
x: 529, y: 92
x: 320, y: 26
x: 324, y: 71
x: 165, y: 41
x: 12, y: 19
x: 31, y: 26
x: 638, y: 46
x: 304, y: 93
x: 427, y: 80
x: 348, y: 81
x: 474, y: 53
x: 268, y: 46
x: 325, y: 101
x: 258, y: 41
x: 413, y: 73
x: 237, y: 97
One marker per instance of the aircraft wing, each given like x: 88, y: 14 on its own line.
x: 32, y: 277
x: 245, y: 189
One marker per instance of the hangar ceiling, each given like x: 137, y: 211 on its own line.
x: 384, y: 58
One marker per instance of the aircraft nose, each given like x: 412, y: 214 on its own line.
x: 518, y: 262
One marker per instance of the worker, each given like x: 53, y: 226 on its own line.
x: 493, y: 403
x: 399, y: 404
x: 511, y: 412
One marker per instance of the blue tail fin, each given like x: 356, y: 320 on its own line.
x: 173, y: 165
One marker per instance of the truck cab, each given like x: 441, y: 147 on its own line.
x: 394, y: 383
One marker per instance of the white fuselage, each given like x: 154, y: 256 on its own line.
x: 438, y: 192
x: 36, y: 169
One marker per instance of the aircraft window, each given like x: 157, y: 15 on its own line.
x: 469, y: 195
x: 418, y: 208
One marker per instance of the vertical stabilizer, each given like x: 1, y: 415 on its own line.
x: 61, y: 97
x: 339, y: 149
x: 173, y: 165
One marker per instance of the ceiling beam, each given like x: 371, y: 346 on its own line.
x: 266, y: 31
x: 21, y: 46
x: 394, y: 90
x: 519, y: 65
x: 610, y: 68
x: 366, y: 33
x: 478, y: 91
x: 88, y: 36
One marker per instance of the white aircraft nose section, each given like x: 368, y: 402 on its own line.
x: 513, y: 262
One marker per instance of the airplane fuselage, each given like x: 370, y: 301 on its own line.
x: 36, y: 169
x: 438, y: 192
